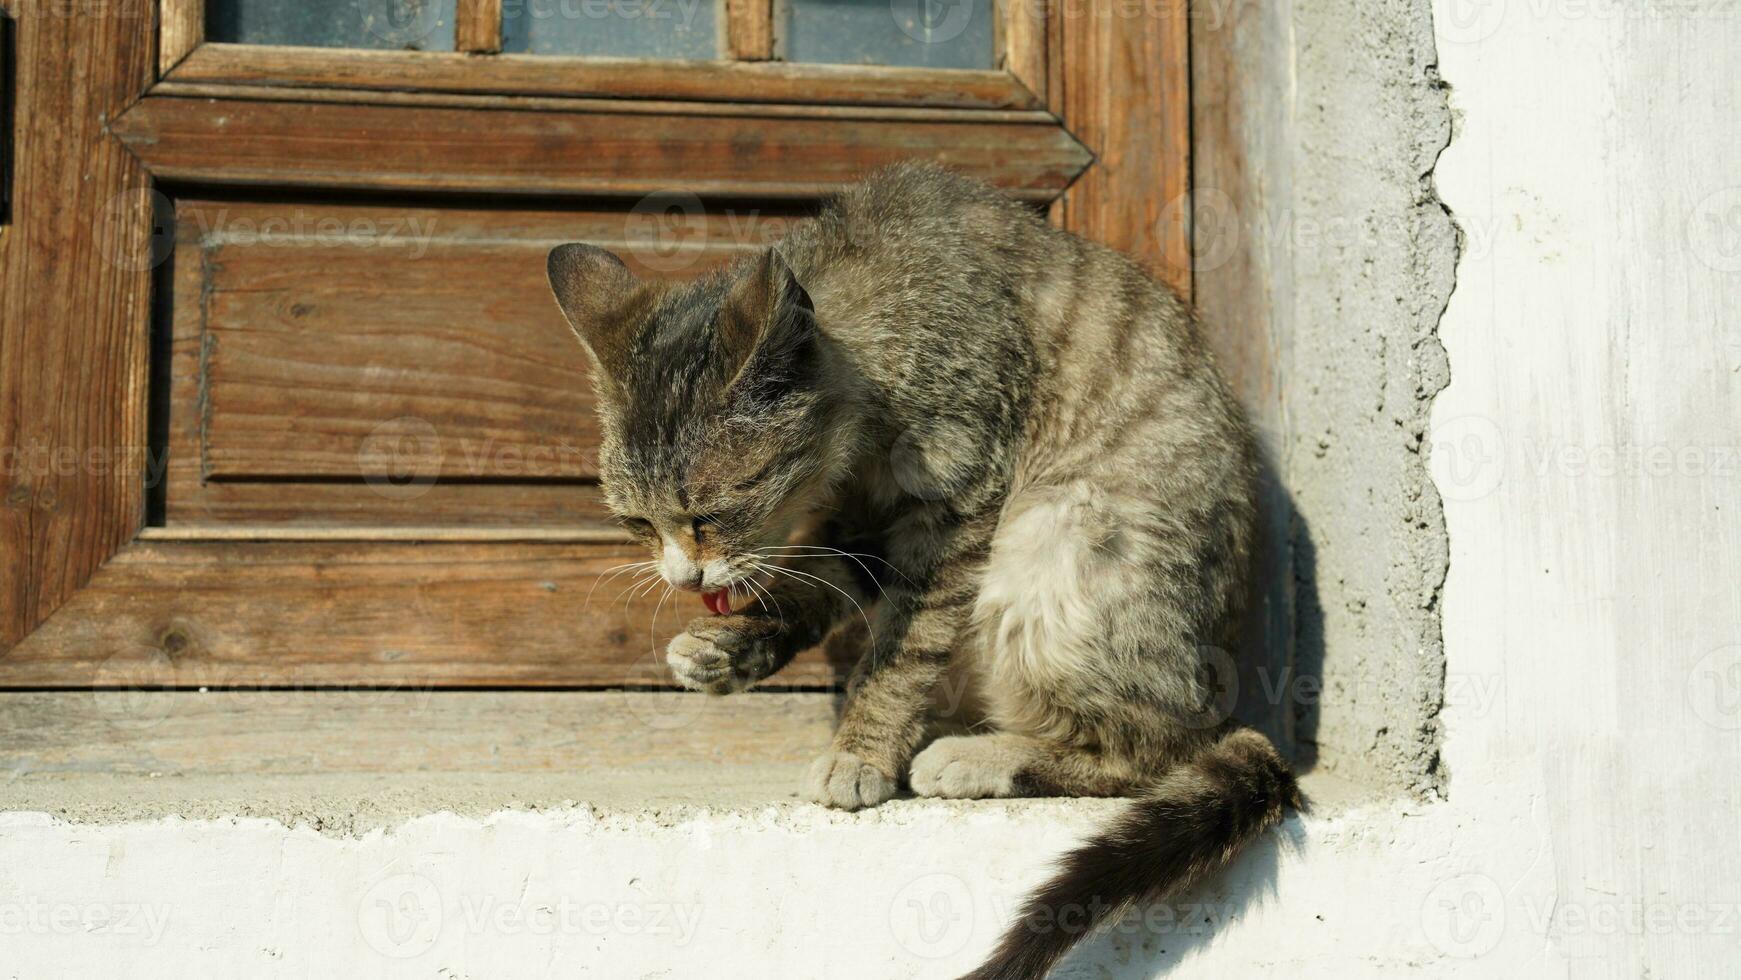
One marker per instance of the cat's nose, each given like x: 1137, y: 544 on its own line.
x: 690, y: 584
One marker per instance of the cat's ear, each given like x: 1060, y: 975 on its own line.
x: 768, y: 311
x: 592, y: 287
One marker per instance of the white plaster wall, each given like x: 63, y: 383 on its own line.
x: 1587, y: 453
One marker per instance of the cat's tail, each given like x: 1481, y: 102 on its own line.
x: 1188, y: 824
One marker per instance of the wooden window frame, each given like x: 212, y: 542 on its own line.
x: 1087, y: 114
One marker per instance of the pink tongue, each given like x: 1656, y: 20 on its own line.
x: 718, y: 601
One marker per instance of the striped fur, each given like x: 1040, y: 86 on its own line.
x: 1038, y: 490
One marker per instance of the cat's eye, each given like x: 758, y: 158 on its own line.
x: 703, y: 525
x: 639, y: 527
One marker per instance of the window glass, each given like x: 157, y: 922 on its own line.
x: 684, y: 29
x: 915, y: 33
x: 417, y: 25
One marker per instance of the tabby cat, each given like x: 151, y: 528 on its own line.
x: 991, y: 461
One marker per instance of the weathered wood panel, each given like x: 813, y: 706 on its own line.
x: 259, y: 732
x: 1125, y: 92
x: 750, y: 29
x: 74, y: 296
x: 626, y: 78
x: 426, y: 148
x: 359, y: 360
x: 1241, y: 173
x: 413, y: 352
x: 359, y: 505
x: 254, y: 613
x: 477, y: 26
x: 183, y: 30
x: 1022, y: 43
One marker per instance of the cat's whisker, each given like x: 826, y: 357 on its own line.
x: 766, y: 598
x: 653, y: 624
x: 831, y: 552
x: 826, y: 551
x: 611, y: 573
x: 801, y: 576
x: 644, y: 583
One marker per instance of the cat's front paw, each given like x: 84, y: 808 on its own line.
x: 721, y: 654
x: 845, y: 781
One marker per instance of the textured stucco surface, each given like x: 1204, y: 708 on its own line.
x: 1373, y: 269
x: 1319, y: 230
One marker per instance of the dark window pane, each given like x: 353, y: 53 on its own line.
x: 621, y: 28
x: 419, y: 25
x: 920, y: 33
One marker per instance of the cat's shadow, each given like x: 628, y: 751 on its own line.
x: 1152, y: 942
